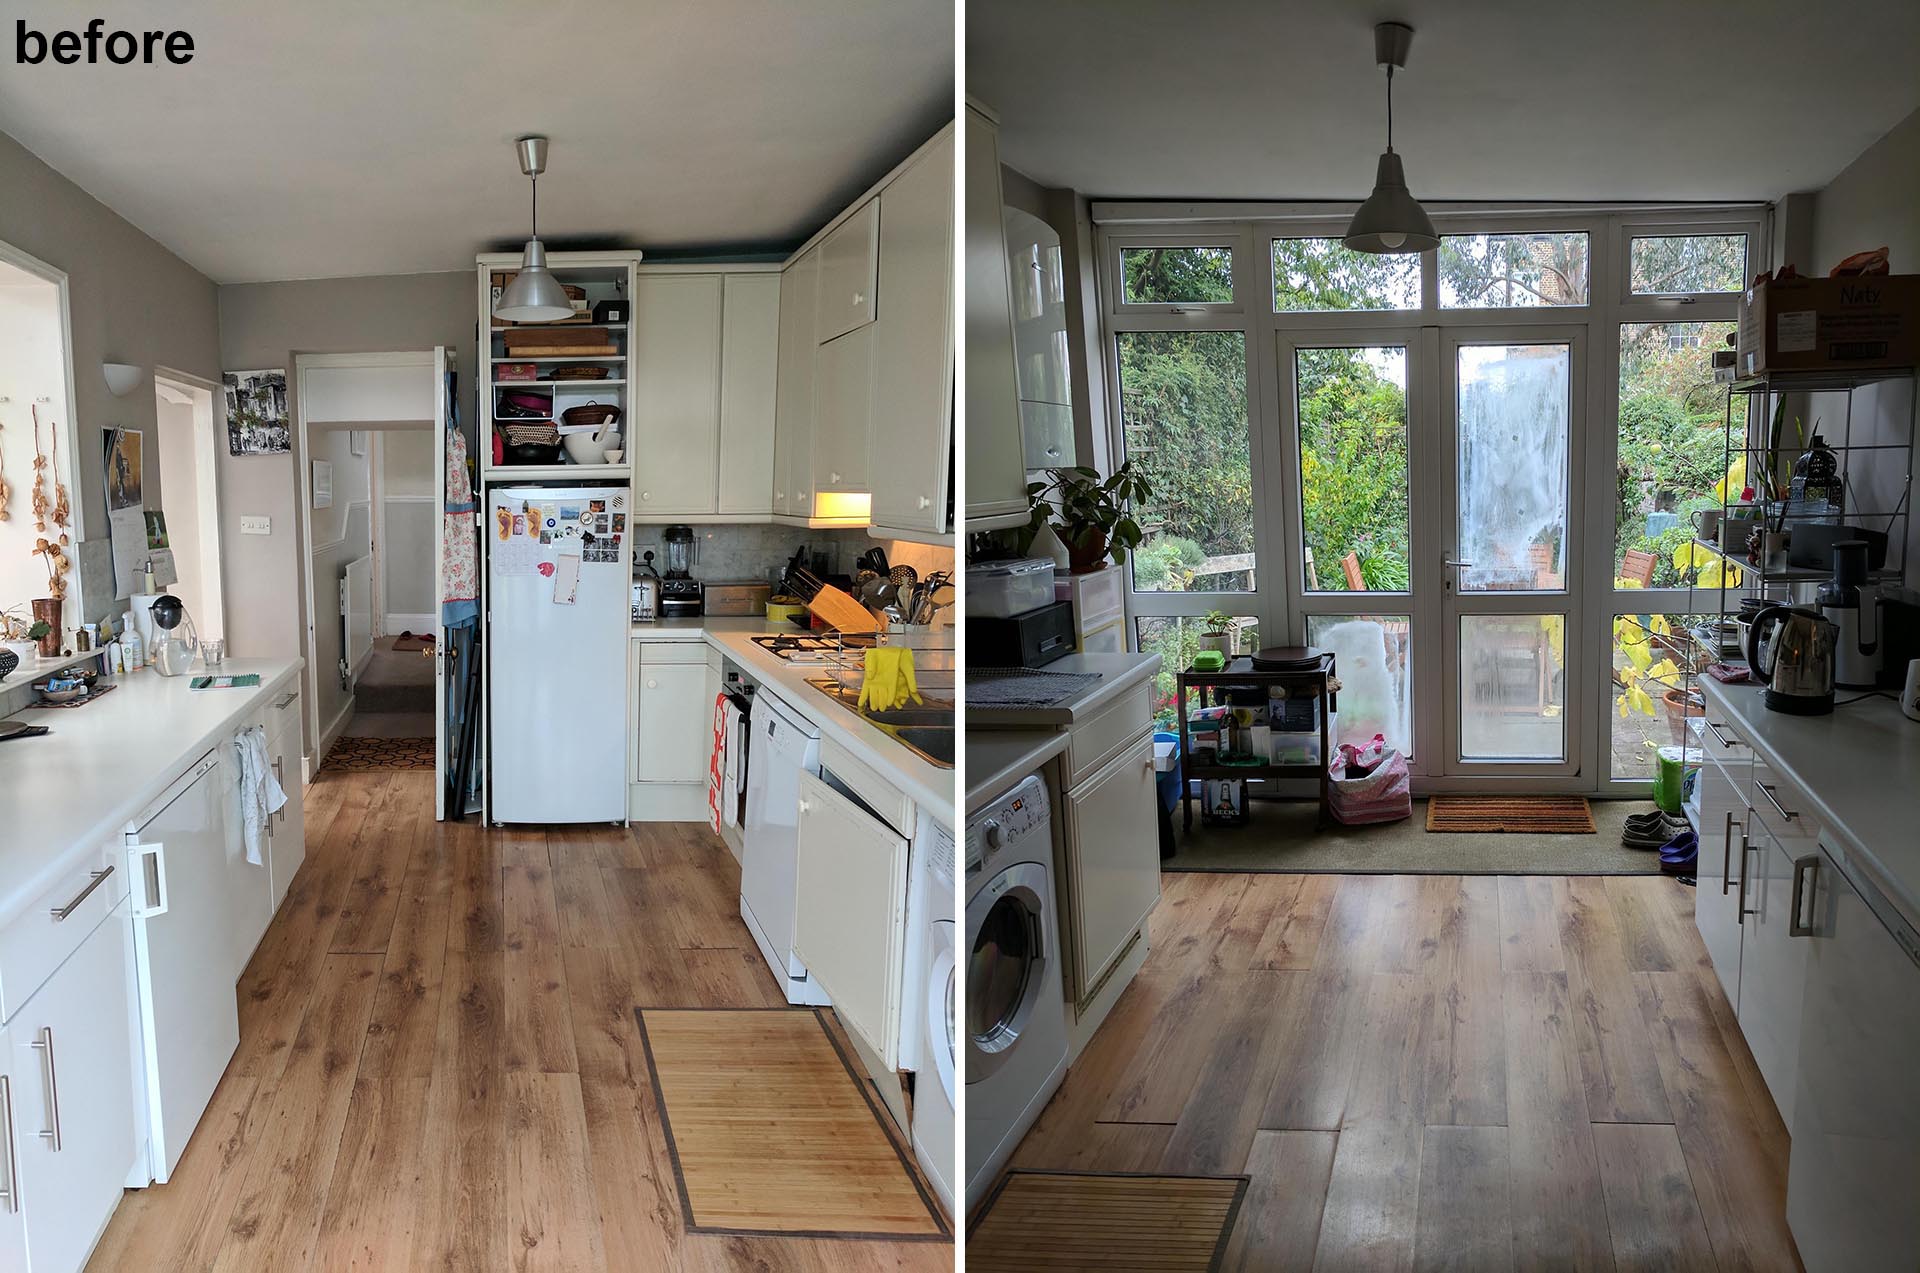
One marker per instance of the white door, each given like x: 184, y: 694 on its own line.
x: 749, y: 366
x: 1723, y: 859
x: 445, y: 708
x: 675, y: 737
x: 288, y: 829
x: 13, y: 1221
x: 1505, y: 556
x: 1113, y: 859
x: 851, y: 913
x: 71, y: 1062
x: 674, y: 433
x: 182, y: 947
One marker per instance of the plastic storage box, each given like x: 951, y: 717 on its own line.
x: 1002, y: 589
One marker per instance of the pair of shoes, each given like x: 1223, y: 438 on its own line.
x: 1681, y: 855
x: 1651, y: 830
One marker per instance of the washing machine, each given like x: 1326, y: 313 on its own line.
x: 927, y: 1021
x: 1015, y: 1012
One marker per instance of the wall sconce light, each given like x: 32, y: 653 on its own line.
x: 122, y: 377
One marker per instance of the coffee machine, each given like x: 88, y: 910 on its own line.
x: 681, y: 595
x: 1853, y: 608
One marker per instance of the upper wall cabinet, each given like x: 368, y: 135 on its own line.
x: 912, y: 443
x: 996, y: 466
x: 705, y: 353
x: 843, y: 413
x: 793, y: 411
x: 849, y: 266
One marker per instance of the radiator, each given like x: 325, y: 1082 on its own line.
x: 356, y: 618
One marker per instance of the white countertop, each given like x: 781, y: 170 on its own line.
x: 927, y: 785
x: 1117, y: 672
x: 68, y: 792
x: 1860, y: 765
x: 998, y: 758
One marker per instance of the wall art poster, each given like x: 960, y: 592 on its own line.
x: 257, y: 412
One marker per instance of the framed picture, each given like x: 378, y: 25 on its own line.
x: 257, y: 412
x: 322, y: 484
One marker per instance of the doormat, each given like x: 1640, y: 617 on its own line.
x: 772, y: 1133
x: 1093, y: 1220
x: 353, y: 753
x: 412, y: 641
x: 1538, y: 815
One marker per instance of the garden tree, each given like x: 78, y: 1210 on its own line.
x: 1673, y: 437
x: 1513, y: 271
x: 1688, y: 263
x: 1353, y: 469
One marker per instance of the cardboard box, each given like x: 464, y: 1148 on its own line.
x: 1830, y: 324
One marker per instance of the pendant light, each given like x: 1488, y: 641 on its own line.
x: 1391, y: 220
x: 534, y: 296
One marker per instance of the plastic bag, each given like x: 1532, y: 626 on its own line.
x: 1382, y: 791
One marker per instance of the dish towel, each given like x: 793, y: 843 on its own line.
x: 734, y: 780
x: 717, y: 765
x: 260, y: 794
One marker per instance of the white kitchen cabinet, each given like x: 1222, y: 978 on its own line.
x: 70, y: 1065
x: 13, y: 1217
x: 996, y: 466
x: 1036, y: 280
x: 1723, y: 857
x: 1113, y: 860
x: 912, y: 416
x: 749, y: 365
x: 849, y: 267
x: 851, y: 912
x: 793, y: 392
x: 673, y: 432
x: 674, y: 734
x: 287, y: 832
x: 249, y: 900
x: 1773, y: 963
x: 1854, y: 1170
x: 843, y: 412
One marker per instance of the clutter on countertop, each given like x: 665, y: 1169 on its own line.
x: 224, y: 682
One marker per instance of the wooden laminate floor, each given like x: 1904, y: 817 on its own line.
x: 1426, y: 1072
x: 439, y: 1066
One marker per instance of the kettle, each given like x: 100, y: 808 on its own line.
x: 1798, y: 668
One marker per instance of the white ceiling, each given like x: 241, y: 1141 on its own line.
x: 1501, y: 99
x: 320, y: 138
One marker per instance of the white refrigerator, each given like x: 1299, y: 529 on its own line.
x: 558, y: 595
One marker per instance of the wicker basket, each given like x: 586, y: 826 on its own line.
x: 591, y: 415
x: 530, y: 434
x: 579, y: 373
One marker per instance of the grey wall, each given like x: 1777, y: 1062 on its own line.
x: 130, y: 300
x: 1876, y: 200
x: 265, y: 325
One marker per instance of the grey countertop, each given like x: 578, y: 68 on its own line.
x: 999, y: 758
x: 1118, y: 673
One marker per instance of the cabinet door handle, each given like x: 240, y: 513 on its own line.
x: 859, y: 299
x: 804, y: 807
x: 1726, y: 856
x: 99, y: 877
x: 646, y: 495
x: 1745, y: 848
x: 48, y: 1070
x: 1774, y: 800
x: 286, y: 698
x: 926, y: 501
x: 1806, y: 868
x: 279, y: 776
x: 652, y: 684
x: 11, y: 1194
x: 1713, y: 729
x: 833, y: 477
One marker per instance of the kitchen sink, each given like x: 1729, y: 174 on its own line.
x: 925, y: 729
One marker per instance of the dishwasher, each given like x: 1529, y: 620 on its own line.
x: 182, y: 939
x: 784, y: 746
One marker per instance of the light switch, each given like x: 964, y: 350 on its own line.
x: 253, y: 524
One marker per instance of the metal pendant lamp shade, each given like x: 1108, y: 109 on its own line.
x: 1391, y: 221
x: 534, y: 295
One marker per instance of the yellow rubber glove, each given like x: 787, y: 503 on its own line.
x: 907, y: 677
x: 889, y: 679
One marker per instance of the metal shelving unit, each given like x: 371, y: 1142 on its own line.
x: 1821, y: 400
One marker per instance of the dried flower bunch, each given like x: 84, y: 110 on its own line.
x: 52, y: 511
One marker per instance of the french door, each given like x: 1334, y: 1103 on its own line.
x: 1433, y: 481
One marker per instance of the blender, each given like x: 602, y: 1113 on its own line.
x: 1855, y: 610
x: 681, y: 595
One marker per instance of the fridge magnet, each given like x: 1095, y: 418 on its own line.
x: 597, y: 506
x: 619, y: 523
x: 546, y: 569
x: 569, y: 512
x: 503, y: 524
x: 546, y: 537
x: 257, y: 412
x: 566, y: 579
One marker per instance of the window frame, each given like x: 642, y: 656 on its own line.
x: 1278, y: 599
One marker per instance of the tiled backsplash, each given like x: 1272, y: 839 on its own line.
x: 759, y: 551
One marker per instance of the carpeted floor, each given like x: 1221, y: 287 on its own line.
x: 1282, y: 837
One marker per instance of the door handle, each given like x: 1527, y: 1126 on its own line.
x: 1448, y: 561
x: 1726, y: 855
x: 1806, y: 868
x: 1774, y: 800
x: 1713, y: 729
x: 50, y: 1073
x: 153, y: 878
x: 1745, y: 848
x: 286, y: 698
x: 279, y: 776
x: 11, y: 1194
x: 99, y: 877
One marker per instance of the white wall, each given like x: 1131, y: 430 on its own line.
x: 31, y: 367
x: 179, y: 481
x: 407, y: 496
x: 1876, y: 200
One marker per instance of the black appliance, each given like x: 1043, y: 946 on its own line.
x: 1899, y: 641
x: 1033, y: 638
x: 1810, y: 545
x: 682, y: 598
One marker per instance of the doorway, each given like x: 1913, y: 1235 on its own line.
x: 189, y: 495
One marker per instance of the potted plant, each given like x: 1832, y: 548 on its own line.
x: 1089, y: 513
x: 1218, y: 634
x: 47, y: 629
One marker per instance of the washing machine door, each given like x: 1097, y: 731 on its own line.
x: 942, y: 990
x: 1008, y: 952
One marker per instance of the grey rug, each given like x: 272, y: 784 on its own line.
x: 1282, y: 838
